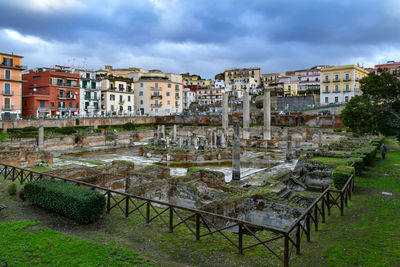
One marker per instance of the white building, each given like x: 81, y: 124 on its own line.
x: 117, y: 96
x: 90, y: 93
x: 188, y: 97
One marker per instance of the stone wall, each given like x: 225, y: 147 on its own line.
x: 24, y: 157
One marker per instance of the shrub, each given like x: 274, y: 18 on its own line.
x: 128, y: 126
x: 377, y: 141
x: 77, y: 203
x: 77, y: 121
x: 66, y: 130
x: 358, y: 164
x: 369, y: 151
x: 12, y: 189
x: 21, y: 194
x: 337, y: 130
x: 341, y: 174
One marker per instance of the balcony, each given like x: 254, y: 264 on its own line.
x: 121, y: 102
x: 156, y: 96
x: 112, y: 88
x: 326, y: 81
x: 66, y: 96
x: 347, y: 79
x: 155, y: 88
x: 8, y: 92
x: 73, y: 85
x: 156, y: 105
x: 10, y: 66
x: 66, y: 109
x: 177, y: 97
x: 91, y: 98
x: 43, y: 109
x: 7, y: 108
x: 336, y: 80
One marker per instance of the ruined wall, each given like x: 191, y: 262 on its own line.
x: 24, y: 157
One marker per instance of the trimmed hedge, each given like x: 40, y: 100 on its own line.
x: 369, y: 151
x: 377, y: 141
x: 340, y: 175
x: 77, y: 203
x: 358, y: 164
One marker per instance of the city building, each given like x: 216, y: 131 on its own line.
x: 391, y: 66
x: 90, y: 93
x: 339, y: 84
x: 117, y: 95
x: 158, y: 93
x: 50, y: 92
x: 209, y: 96
x: 242, y: 79
x: 309, y: 79
x: 10, y: 86
x: 189, y: 96
x: 219, y: 84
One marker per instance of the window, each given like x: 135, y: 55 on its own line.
x: 336, y: 99
x: 121, y: 98
x: 336, y: 88
x: 177, y: 95
x: 112, y: 97
x: 168, y: 94
x: 95, y: 95
x: 52, y: 104
x: 61, y: 92
x: 326, y: 88
x: 25, y: 103
x: 347, y: 87
x: 86, y: 105
x: 176, y: 87
x: 129, y: 108
x: 93, y: 85
x: 7, y: 103
x: 7, y: 89
x: 156, y: 85
x: 36, y: 77
x: 70, y: 104
x: 87, y: 75
x: 84, y: 84
x: 121, y: 108
x: 141, y: 84
x: 169, y: 85
x: 112, y: 107
x: 77, y: 105
x: 41, y: 103
x: 69, y: 82
x: 347, y: 76
x: 8, y: 74
x: 168, y: 102
x: 141, y: 93
x: 129, y: 98
x: 156, y: 102
x: 141, y: 102
x: 326, y: 99
x: 8, y: 61
x: 327, y: 78
x: 336, y: 77
x: 346, y: 99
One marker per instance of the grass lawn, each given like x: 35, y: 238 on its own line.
x: 369, y: 232
x: 30, y: 243
x: 332, y: 162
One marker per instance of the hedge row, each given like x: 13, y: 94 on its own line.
x: 358, y: 164
x: 77, y: 203
x: 369, y: 151
x: 341, y: 174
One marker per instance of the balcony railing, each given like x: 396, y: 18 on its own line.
x: 43, y: 108
x: 346, y: 79
x: 8, y: 108
x: 156, y: 105
x: 156, y: 96
x: 155, y: 88
x: 65, y: 84
x: 20, y: 67
x: 92, y: 98
x: 66, y: 109
x: 66, y: 96
x: 326, y: 81
x: 7, y: 92
x: 336, y: 80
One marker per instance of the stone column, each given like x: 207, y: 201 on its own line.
x: 289, y: 149
x: 158, y: 132
x: 215, y: 138
x: 41, y: 135
x: 319, y: 139
x: 297, y: 151
x: 236, y: 152
x: 223, y: 141
x: 162, y: 131
x: 115, y: 139
x: 267, y: 115
x: 333, y: 121
x: 167, y: 141
x: 180, y: 142
x: 225, y: 111
x: 174, y: 134
x: 195, y: 143
x: 318, y: 120
x: 246, y: 115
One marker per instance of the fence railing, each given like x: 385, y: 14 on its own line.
x: 202, y: 223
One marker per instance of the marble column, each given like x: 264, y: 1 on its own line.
x: 223, y: 141
x: 41, y: 135
x: 289, y: 148
x: 236, y: 152
x: 225, y: 97
x: 174, y: 134
x: 158, y: 132
x: 162, y: 131
x: 246, y: 115
x: 267, y: 115
x: 333, y: 121
x: 319, y: 139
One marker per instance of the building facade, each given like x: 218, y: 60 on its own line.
x: 158, y: 93
x: 339, y: 84
x: 209, y: 96
x: 51, y: 92
x: 189, y: 96
x: 242, y: 79
x: 117, y: 96
x: 391, y: 66
x: 11, y: 86
x: 90, y: 93
x: 309, y: 79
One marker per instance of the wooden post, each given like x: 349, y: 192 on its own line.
x: 240, y: 239
x: 341, y: 204
x: 308, y: 226
x: 108, y: 201
x: 197, y: 226
x: 127, y: 206
x: 286, y: 251
x: 171, y: 219
x: 328, y: 203
x: 148, y: 212
x: 323, y: 209
x: 298, y: 239
x: 316, y: 217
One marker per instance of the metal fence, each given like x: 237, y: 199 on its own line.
x: 201, y: 223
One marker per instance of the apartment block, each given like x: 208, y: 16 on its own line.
x: 117, y: 95
x: 209, y: 96
x: 392, y: 67
x: 242, y: 79
x: 339, y: 84
x: 51, y: 92
x: 158, y: 93
x: 11, y: 86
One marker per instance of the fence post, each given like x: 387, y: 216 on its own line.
x: 148, y: 212
x: 308, y: 226
x: 13, y: 174
x: 171, y: 219
x: 341, y: 203
x: 345, y: 197
x: 197, y: 226
x: 127, y: 206
x: 323, y: 209
x: 108, y: 201
x: 298, y: 239
x: 286, y: 251
x: 328, y: 203
x: 240, y: 238
x: 316, y: 217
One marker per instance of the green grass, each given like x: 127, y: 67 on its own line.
x: 333, y: 162
x: 368, y: 234
x: 40, y: 168
x: 25, y: 243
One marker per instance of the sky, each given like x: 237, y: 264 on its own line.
x: 204, y: 37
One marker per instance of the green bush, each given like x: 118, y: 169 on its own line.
x: 12, y: 189
x: 77, y: 121
x: 337, y: 130
x: 369, y: 151
x: 77, y: 203
x: 340, y: 175
x: 358, y: 164
x: 66, y: 130
x: 128, y: 126
x: 377, y: 141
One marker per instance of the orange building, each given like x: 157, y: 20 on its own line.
x: 10, y: 86
x: 51, y: 92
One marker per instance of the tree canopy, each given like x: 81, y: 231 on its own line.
x: 377, y: 110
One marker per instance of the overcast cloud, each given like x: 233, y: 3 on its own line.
x: 203, y: 37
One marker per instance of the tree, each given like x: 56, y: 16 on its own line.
x: 377, y: 110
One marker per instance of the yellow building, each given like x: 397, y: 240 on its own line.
x: 339, y: 84
x: 271, y: 77
x: 290, y: 89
